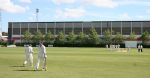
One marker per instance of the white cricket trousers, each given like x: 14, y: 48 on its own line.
x: 29, y: 60
x: 40, y: 60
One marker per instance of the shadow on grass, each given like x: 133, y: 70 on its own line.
x: 23, y: 69
x: 27, y: 70
x: 17, y: 66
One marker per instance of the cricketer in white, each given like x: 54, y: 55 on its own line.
x: 41, y: 57
x: 29, y: 55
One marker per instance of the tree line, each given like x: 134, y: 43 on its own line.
x: 81, y: 40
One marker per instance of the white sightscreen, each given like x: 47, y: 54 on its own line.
x: 132, y: 44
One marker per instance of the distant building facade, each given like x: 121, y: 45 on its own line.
x: 16, y: 29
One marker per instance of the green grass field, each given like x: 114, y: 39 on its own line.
x: 77, y: 63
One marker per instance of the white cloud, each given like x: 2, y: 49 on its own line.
x: 104, y: 3
x: 120, y: 17
x: 97, y: 3
x: 134, y: 2
x: 25, y: 1
x: 140, y: 17
x: 101, y: 3
x: 58, y: 2
x: 124, y: 16
x: 7, y: 5
x: 32, y: 19
x: 70, y: 13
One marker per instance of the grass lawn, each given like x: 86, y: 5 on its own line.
x: 77, y: 63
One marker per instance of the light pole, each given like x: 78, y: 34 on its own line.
x: 37, y: 11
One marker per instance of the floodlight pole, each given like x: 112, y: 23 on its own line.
x: 37, y: 11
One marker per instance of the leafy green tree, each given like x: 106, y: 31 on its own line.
x: 145, y: 36
x: 60, y: 39
x: 81, y: 37
x: 38, y: 37
x: 71, y: 37
x: 27, y: 36
x: 118, y: 38
x: 93, y: 36
x: 49, y: 37
x: 132, y: 36
x: 107, y: 38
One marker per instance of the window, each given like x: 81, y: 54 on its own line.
x: 126, y: 28
x: 136, y: 27
x: 146, y: 26
x: 116, y: 27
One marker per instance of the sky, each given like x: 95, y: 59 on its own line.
x: 72, y: 10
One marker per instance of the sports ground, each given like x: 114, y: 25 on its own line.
x: 77, y: 63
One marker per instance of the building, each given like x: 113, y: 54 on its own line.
x: 3, y: 38
x: 16, y: 29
